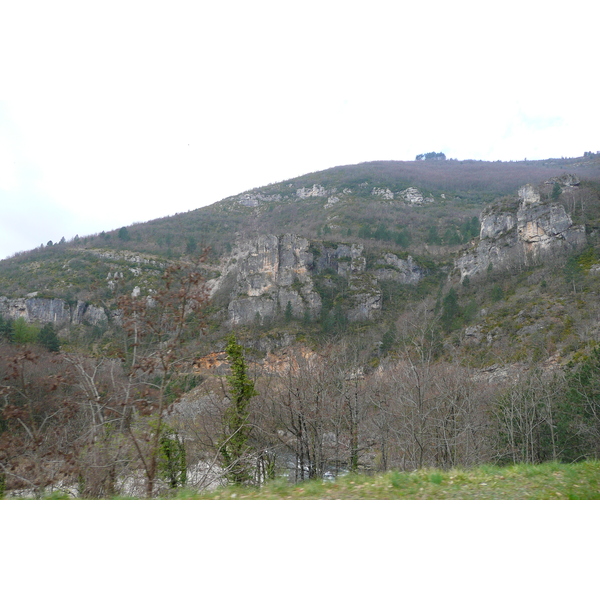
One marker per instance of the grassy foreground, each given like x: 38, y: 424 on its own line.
x: 549, y: 481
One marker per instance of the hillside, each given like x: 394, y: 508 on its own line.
x: 392, y: 231
x: 365, y: 203
x: 394, y: 315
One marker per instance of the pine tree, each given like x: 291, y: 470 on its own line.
x: 450, y: 311
x: 48, y: 338
x: 288, y: 312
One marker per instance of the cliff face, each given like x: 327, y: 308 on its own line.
x: 265, y: 275
x: 273, y: 275
x: 262, y: 279
x: 51, y: 310
x: 521, y: 233
x: 333, y: 195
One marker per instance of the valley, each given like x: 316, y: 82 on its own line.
x: 390, y: 316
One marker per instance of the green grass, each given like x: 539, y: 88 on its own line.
x: 549, y: 481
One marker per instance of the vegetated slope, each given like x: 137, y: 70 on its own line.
x: 422, y: 211
x: 345, y: 204
x: 384, y: 332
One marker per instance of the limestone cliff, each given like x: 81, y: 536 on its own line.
x: 398, y: 269
x: 522, y: 232
x: 263, y: 275
x: 274, y: 275
x: 51, y: 310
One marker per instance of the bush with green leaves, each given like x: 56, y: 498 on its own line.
x: 172, y: 463
x: 24, y: 333
x: 235, y: 446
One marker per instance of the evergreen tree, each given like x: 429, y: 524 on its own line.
x: 433, y: 236
x: 365, y: 231
x: 431, y: 156
x: 452, y: 237
x: 306, y: 318
x: 5, y: 328
x: 123, y: 234
x: 48, y: 338
x: 388, y: 340
x: 403, y: 238
x: 556, y: 192
x: 450, y: 311
x: 288, y: 312
x: 382, y: 233
x: 574, y: 273
x: 497, y: 293
x: 191, y: 245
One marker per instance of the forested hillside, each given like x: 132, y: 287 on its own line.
x: 388, y: 315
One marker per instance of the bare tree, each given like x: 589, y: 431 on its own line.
x: 156, y: 330
x: 38, y: 434
x: 525, y: 417
x: 431, y: 411
x: 106, y: 454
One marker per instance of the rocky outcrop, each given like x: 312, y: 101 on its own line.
x: 315, y: 191
x: 410, y: 195
x: 521, y: 233
x: 344, y: 259
x: 254, y: 199
x: 400, y: 270
x: 365, y: 298
x: 566, y: 180
x: 51, y: 310
x: 494, y: 225
x: 267, y: 275
x: 413, y: 195
x: 125, y: 255
x: 250, y: 199
x: 272, y: 276
x: 363, y: 301
x: 384, y: 193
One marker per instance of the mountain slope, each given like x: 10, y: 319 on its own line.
x: 395, y: 315
x: 347, y: 245
x: 366, y: 203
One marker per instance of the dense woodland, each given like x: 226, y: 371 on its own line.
x: 503, y: 369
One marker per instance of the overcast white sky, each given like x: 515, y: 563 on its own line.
x: 118, y: 112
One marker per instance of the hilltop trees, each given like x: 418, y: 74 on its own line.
x: 431, y: 156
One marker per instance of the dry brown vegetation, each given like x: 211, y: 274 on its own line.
x: 498, y: 370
